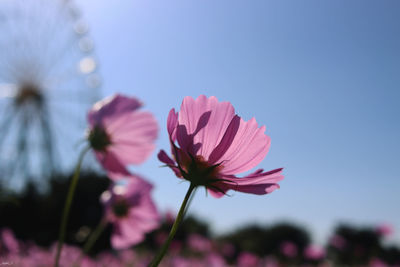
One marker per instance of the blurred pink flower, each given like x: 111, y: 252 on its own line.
x: 288, y: 249
x: 119, y: 134
x: 215, y: 260
x: 108, y: 259
x: 178, y: 261
x: 87, y: 262
x: 9, y: 241
x: 314, y: 252
x: 176, y: 247
x: 384, y: 229
x: 375, y: 262
x: 215, y: 145
x: 69, y: 255
x: 130, y: 208
x: 228, y: 249
x: 270, y: 261
x: 338, y: 242
x: 199, y: 243
x: 127, y: 256
x: 170, y: 217
x: 37, y: 254
x: 247, y: 259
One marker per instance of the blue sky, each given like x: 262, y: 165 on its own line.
x: 323, y: 76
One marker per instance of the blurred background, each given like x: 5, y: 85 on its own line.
x: 322, y: 76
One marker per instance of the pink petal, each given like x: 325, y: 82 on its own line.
x: 112, y: 106
x: 125, y: 235
x: 226, y: 141
x: 248, y: 148
x: 111, y: 163
x: 205, y: 121
x: 258, y: 183
x: 140, y: 124
x: 137, y: 186
x: 172, y: 125
x: 172, y: 122
x: 163, y: 157
x: 133, y: 153
x: 145, y: 215
x: 216, y: 193
x: 132, y: 136
x: 185, y: 140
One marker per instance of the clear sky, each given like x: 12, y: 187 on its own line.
x: 323, y: 76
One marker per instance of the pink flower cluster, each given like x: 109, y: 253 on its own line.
x: 194, y: 250
x: 214, y: 145
x: 206, y: 254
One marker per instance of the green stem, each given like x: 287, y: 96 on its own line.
x: 190, y: 201
x: 94, y: 236
x: 67, y: 206
x: 157, y: 259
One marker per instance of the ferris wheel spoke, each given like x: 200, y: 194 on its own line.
x: 9, y: 23
x: 8, y: 71
x: 67, y: 129
x: 66, y: 39
x: 20, y: 160
x: 60, y: 81
x: 62, y: 133
x: 82, y: 100
x: 47, y: 139
x: 57, y: 57
x: 76, y: 120
x: 6, y: 125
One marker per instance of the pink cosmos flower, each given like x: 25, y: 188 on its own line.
x: 215, y: 260
x: 199, y: 243
x: 270, y: 261
x: 170, y: 217
x: 8, y: 240
x: 384, y: 229
x: 376, y: 262
x: 338, y: 242
x: 289, y: 249
x: 70, y: 254
x: 314, y: 252
x: 119, y: 134
x: 228, y: 250
x: 131, y: 210
x: 247, y: 259
x: 214, y: 144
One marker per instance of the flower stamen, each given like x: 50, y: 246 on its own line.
x: 120, y: 208
x: 99, y: 139
x: 200, y: 172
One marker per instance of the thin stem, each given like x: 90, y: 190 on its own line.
x: 190, y: 201
x: 94, y: 236
x: 67, y: 206
x: 157, y: 259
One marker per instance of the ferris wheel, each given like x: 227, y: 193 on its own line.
x: 48, y: 80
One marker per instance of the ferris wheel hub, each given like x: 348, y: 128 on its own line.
x: 29, y: 93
